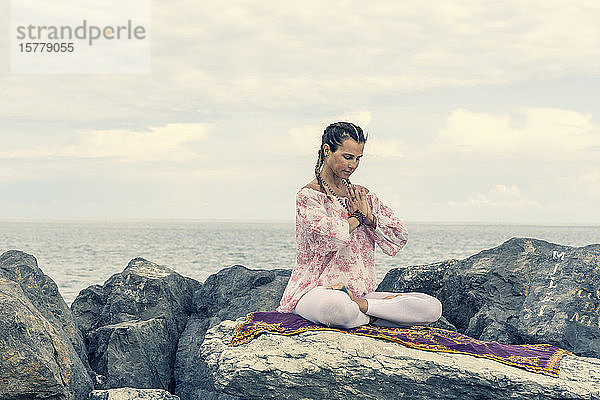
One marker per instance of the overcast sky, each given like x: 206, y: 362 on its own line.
x: 476, y: 111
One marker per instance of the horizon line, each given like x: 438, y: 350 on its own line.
x: 281, y: 221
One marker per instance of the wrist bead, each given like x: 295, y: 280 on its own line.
x: 360, y: 217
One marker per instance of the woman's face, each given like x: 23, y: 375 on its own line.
x: 344, y: 161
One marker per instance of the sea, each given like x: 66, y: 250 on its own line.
x: 77, y: 254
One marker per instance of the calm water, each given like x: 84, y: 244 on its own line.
x: 79, y: 254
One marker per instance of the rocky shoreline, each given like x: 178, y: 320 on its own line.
x: 151, y: 333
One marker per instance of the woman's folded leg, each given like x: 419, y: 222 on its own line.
x: 411, y: 308
x: 330, y: 307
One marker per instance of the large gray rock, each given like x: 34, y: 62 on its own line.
x: 132, y: 324
x: 42, y: 354
x: 523, y: 291
x: 231, y: 293
x: 332, y: 365
x: 132, y: 394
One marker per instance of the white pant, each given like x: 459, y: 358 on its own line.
x: 335, y: 308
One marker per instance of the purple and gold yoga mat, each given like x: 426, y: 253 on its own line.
x: 540, y: 358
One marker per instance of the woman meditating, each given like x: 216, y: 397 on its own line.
x: 337, y: 227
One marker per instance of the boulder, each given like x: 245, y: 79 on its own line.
x: 42, y: 353
x: 132, y: 394
x: 231, y: 293
x: 333, y: 365
x: 523, y: 291
x: 132, y: 324
x: 442, y: 323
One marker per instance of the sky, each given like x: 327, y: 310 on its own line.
x: 483, y: 112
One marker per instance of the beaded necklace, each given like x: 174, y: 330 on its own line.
x: 343, y: 203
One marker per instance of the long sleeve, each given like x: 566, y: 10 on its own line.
x: 330, y: 233
x: 390, y: 233
x: 327, y: 253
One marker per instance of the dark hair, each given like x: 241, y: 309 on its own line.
x: 334, y: 135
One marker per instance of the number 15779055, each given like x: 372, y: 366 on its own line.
x: 46, y: 47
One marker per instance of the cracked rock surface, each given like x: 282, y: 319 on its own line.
x: 132, y: 324
x: 523, y: 291
x: 231, y: 293
x: 132, y: 394
x: 42, y: 353
x: 315, y: 365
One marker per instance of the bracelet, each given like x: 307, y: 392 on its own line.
x: 360, y: 217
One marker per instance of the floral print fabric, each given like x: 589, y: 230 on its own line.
x: 327, y: 253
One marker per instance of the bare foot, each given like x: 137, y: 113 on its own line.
x: 362, y: 303
x: 337, y: 286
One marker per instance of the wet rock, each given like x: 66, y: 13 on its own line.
x: 42, y: 353
x: 523, y: 291
x: 319, y: 365
x: 231, y: 293
x: 132, y: 324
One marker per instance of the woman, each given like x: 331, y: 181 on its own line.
x: 337, y: 227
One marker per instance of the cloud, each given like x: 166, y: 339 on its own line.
x: 252, y: 53
x: 501, y: 196
x: 386, y: 148
x: 589, y: 182
x: 6, y: 173
x: 306, y: 139
x: 163, y: 143
x: 543, y: 132
x: 267, y: 77
x: 591, y: 177
x: 158, y: 143
x: 360, y: 118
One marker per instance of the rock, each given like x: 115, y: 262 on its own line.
x: 132, y: 324
x: 42, y: 353
x: 443, y: 323
x: 88, y: 308
x: 318, y: 365
x: 231, y: 293
x: 132, y: 394
x: 238, y: 290
x: 523, y: 291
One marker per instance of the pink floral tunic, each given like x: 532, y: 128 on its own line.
x: 327, y: 254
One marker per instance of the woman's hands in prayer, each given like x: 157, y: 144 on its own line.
x: 358, y: 202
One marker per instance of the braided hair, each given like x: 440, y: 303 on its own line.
x: 333, y: 136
